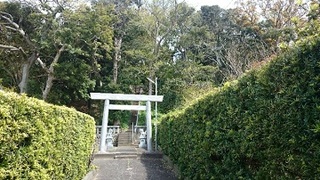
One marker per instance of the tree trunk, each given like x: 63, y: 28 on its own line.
x: 24, y: 78
x: 25, y: 72
x: 10, y: 24
x: 48, y: 87
x: 116, y: 57
x: 50, y: 71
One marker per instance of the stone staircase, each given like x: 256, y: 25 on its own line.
x: 125, y: 138
x: 125, y: 149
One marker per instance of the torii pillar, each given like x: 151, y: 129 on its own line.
x: 125, y: 97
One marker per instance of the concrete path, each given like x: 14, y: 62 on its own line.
x: 130, y: 163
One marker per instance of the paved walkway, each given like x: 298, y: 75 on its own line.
x: 130, y: 163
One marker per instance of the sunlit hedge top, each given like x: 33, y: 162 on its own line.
x: 42, y: 141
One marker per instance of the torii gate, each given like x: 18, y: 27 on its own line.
x: 125, y: 97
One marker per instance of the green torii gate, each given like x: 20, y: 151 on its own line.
x: 125, y: 97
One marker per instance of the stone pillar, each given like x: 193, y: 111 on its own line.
x: 104, y: 126
x: 149, y: 127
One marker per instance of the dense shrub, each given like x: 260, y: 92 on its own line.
x: 266, y: 125
x: 43, y: 141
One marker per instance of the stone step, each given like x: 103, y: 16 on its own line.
x: 129, y: 155
x: 127, y: 144
x: 122, y: 137
x: 125, y: 135
x: 125, y: 138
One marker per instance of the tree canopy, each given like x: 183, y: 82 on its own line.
x: 59, y: 51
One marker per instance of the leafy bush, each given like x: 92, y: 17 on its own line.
x: 266, y: 125
x: 43, y: 141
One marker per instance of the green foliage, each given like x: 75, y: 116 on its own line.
x: 43, y: 141
x: 183, y: 82
x: 70, y: 85
x: 263, y: 126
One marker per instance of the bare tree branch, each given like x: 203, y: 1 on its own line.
x: 11, y: 48
x: 6, y: 14
x: 43, y: 65
x: 15, y: 27
x: 56, y: 58
x: 51, y: 76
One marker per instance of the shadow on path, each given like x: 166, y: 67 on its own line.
x: 130, y: 167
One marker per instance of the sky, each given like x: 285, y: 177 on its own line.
x: 198, y: 3
x: 222, y: 3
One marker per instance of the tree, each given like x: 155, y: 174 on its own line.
x: 274, y: 17
x: 15, y: 31
x: 56, y: 33
x: 88, y: 45
x: 159, y: 21
x: 122, y: 13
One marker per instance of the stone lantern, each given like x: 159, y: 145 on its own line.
x: 142, y: 138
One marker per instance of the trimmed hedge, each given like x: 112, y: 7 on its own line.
x: 266, y: 125
x: 43, y: 141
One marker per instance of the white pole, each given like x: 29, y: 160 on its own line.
x: 137, y: 120
x: 149, y: 127
x: 104, y: 126
x: 156, y: 114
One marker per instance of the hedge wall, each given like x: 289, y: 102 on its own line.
x: 266, y: 125
x: 43, y: 141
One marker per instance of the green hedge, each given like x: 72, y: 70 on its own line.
x: 266, y: 125
x: 43, y: 141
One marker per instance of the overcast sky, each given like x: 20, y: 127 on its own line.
x: 222, y: 3
x: 198, y: 3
